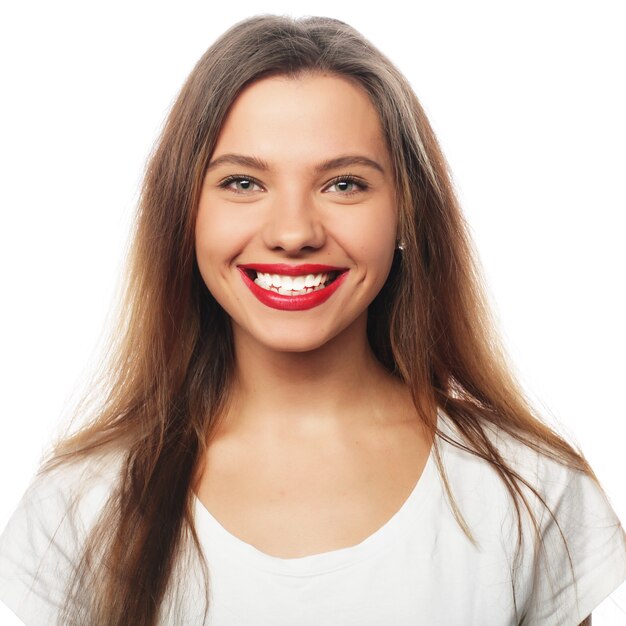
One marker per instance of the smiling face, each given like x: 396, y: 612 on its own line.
x: 296, y: 224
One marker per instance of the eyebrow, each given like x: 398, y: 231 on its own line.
x: 324, y: 166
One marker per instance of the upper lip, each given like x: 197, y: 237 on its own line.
x: 291, y: 270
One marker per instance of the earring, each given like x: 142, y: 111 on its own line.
x: 400, y: 246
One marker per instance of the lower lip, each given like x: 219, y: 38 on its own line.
x: 292, y: 303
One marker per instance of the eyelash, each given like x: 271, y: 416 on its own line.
x: 348, y: 178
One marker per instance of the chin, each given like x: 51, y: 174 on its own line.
x: 298, y: 346
x: 291, y: 343
x: 285, y: 338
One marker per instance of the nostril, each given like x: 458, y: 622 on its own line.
x: 295, y: 250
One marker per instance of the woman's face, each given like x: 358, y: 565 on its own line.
x: 299, y: 185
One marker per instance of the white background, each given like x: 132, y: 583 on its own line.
x: 527, y: 99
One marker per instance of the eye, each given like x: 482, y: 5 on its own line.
x: 242, y: 184
x: 348, y: 185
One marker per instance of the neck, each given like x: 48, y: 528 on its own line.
x: 339, y: 385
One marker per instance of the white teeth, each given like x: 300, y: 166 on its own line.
x: 263, y: 279
x: 291, y: 285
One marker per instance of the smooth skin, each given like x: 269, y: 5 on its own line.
x: 320, y: 446
x: 317, y: 430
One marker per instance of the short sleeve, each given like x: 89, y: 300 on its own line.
x: 574, y: 576
x: 41, y: 544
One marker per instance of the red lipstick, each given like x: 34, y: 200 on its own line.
x: 302, y: 302
x: 291, y: 270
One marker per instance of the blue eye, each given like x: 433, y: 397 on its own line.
x: 243, y: 184
x: 348, y: 185
x: 342, y: 183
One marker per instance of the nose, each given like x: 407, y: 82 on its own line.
x: 293, y: 224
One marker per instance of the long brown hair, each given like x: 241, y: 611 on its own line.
x: 167, y: 378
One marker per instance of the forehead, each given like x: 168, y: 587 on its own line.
x: 306, y: 118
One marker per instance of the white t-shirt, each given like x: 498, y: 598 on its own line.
x: 419, y: 568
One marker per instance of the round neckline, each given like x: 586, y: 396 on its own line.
x: 217, y: 539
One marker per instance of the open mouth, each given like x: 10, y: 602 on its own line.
x: 292, y: 285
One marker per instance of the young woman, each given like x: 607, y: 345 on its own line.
x: 307, y: 417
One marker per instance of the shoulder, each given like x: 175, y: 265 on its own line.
x: 575, y: 556
x: 41, y: 544
x: 72, y: 493
x: 542, y: 477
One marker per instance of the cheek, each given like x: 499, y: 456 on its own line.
x: 214, y: 243
x: 220, y: 229
x: 374, y: 240
x: 212, y: 222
